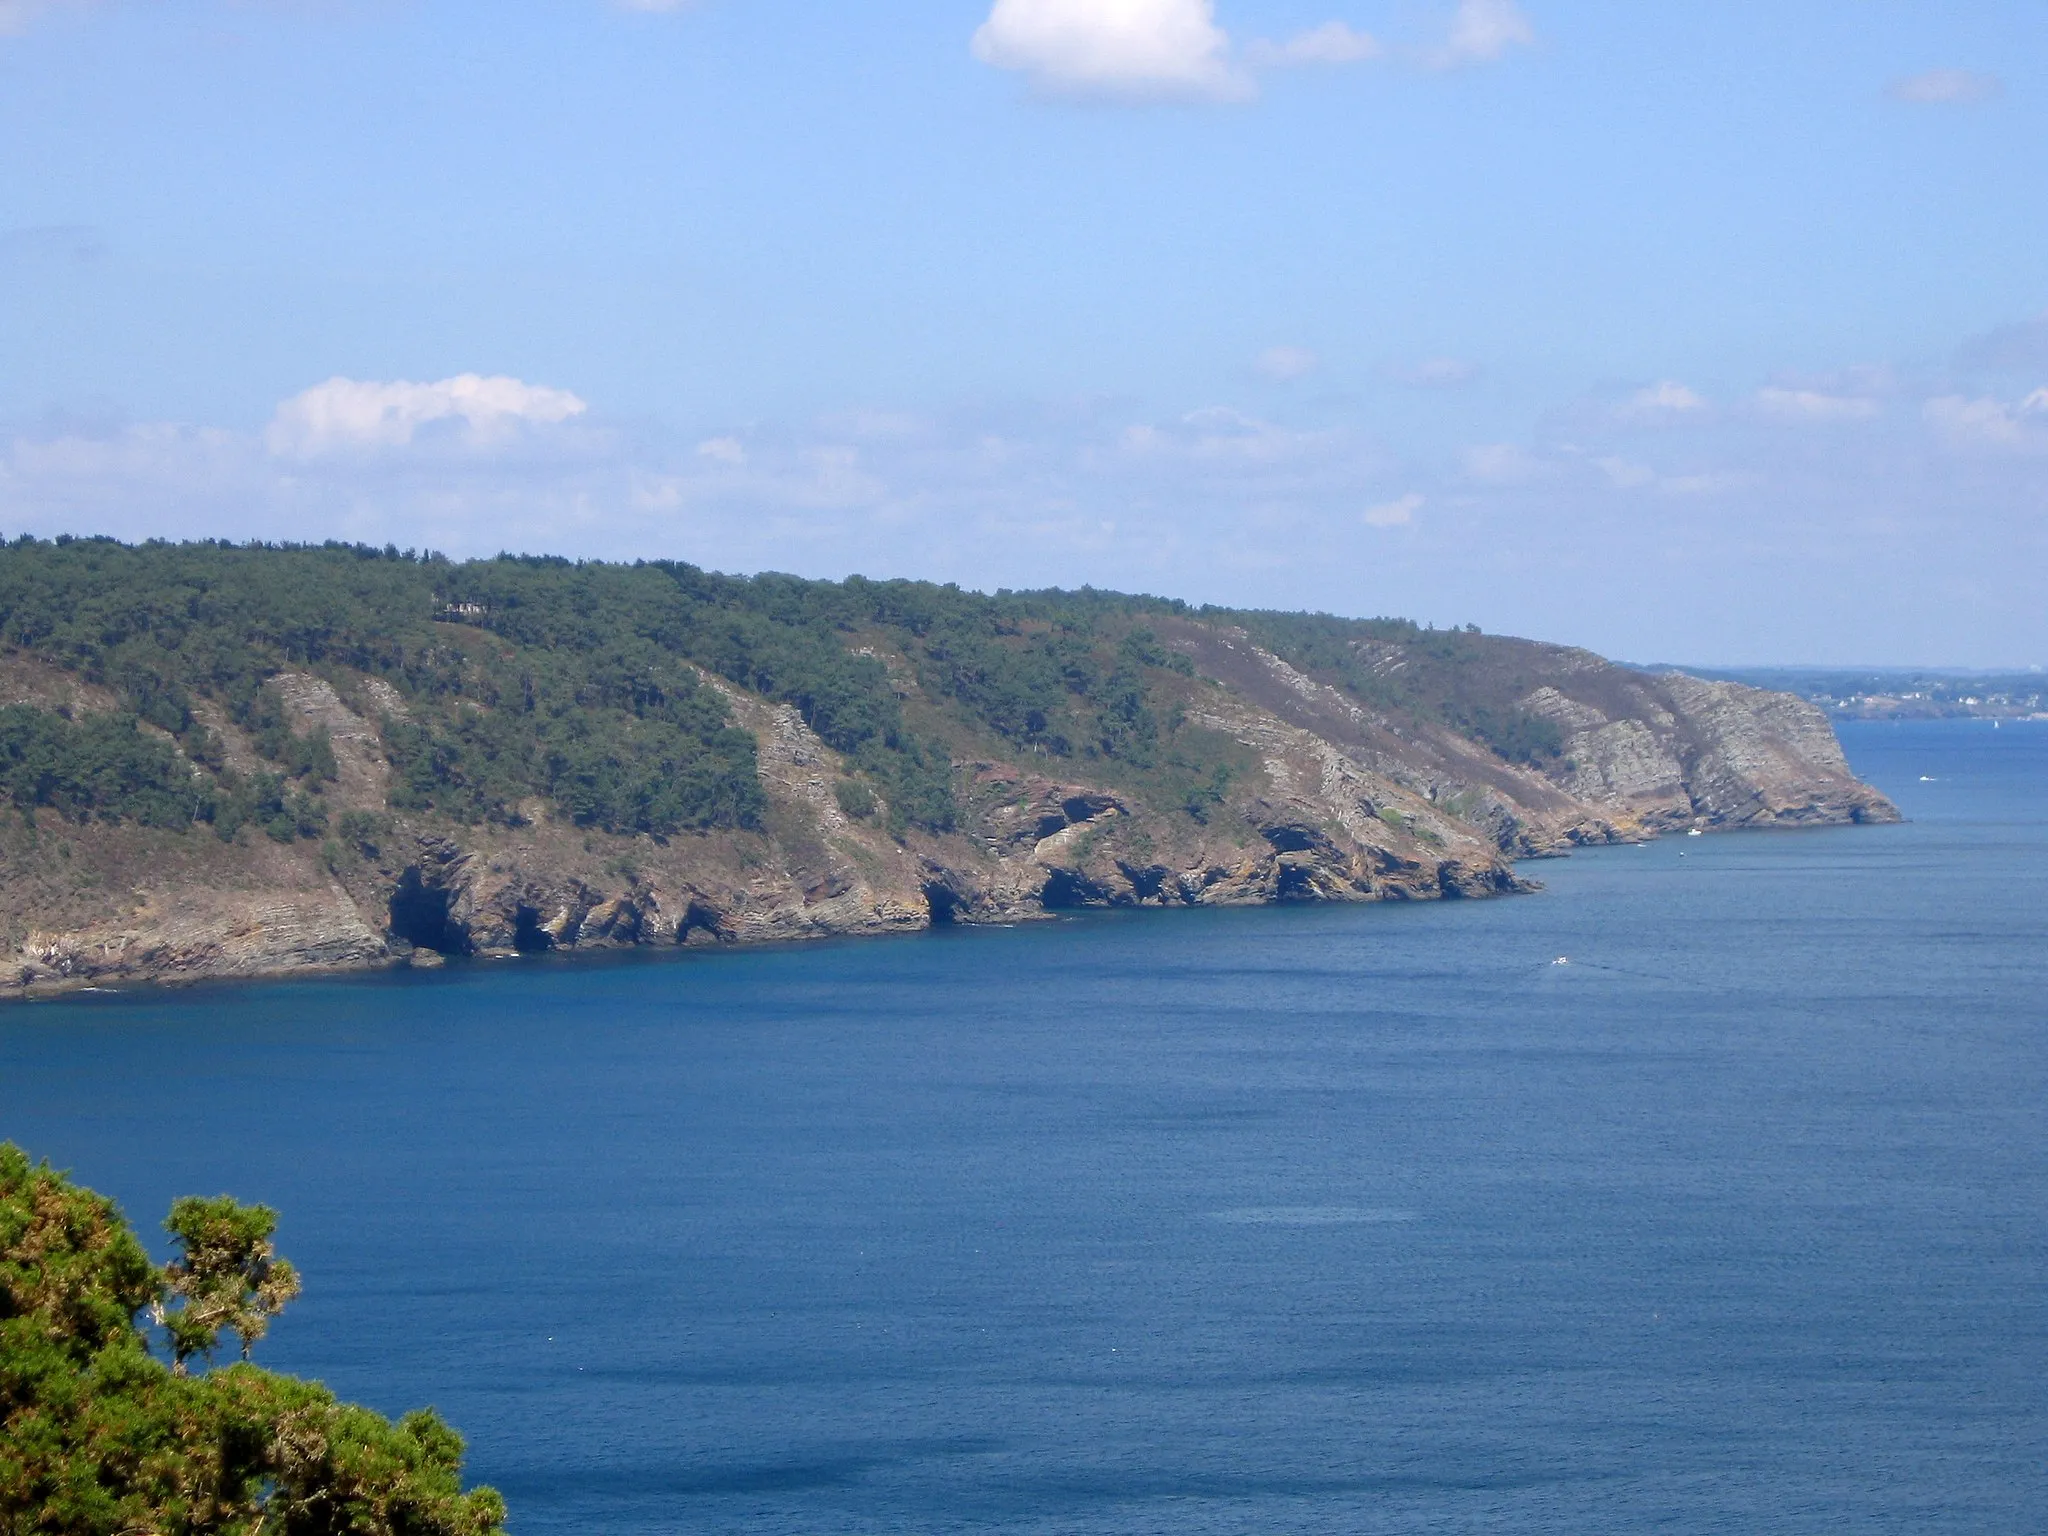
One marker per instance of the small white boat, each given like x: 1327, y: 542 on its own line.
x: 1696, y: 832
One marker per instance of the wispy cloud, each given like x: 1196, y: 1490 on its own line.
x: 1481, y: 32
x: 1813, y: 405
x: 1434, y: 373
x: 1286, y: 363
x: 1503, y: 464
x: 1397, y: 513
x: 1334, y: 42
x: 1659, y: 404
x: 1946, y: 88
x: 2019, y: 347
x: 1988, y: 423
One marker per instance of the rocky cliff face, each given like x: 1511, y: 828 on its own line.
x: 1341, y: 802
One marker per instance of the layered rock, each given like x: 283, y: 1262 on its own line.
x: 1341, y: 802
x: 1708, y: 754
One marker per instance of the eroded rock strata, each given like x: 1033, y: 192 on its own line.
x: 1340, y: 803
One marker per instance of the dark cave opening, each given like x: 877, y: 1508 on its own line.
x: 944, y: 905
x: 1064, y: 890
x: 528, y: 937
x: 1295, y: 884
x: 419, y: 916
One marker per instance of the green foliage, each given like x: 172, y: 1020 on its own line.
x: 576, y: 682
x: 1455, y: 677
x: 71, y: 1270
x: 362, y: 830
x: 102, y: 766
x: 267, y: 801
x: 229, y: 1276
x: 1515, y: 734
x: 583, y: 685
x: 855, y: 798
x: 592, y: 705
x: 98, y: 1437
x: 1198, y: 795
x: 260, y: 712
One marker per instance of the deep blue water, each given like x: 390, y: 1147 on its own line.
x: 1303, y: 1220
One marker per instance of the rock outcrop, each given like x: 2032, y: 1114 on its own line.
x: 1670, y: 750
x: 1339, y: 801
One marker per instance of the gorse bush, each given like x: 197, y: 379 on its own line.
x: 100, y: 1436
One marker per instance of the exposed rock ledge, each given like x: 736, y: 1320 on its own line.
x: 1345, y: 806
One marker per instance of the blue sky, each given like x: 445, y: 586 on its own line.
x: 1696, y: 332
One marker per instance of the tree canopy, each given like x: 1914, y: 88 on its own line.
x: 585, y: 683
x: 99, y: 1436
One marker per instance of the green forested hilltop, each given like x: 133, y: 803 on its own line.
x: 578, y: 682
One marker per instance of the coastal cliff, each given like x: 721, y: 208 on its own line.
x: 1208, y: 758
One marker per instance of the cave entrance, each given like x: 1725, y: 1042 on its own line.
x: 1065, y: 890
x: 944, y: 905
x: 1295, y: 884
x: 419, y: 916
x: 528, y: 937
x: 1289, y: 839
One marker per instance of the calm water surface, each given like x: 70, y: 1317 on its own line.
x: 1306, y: 1220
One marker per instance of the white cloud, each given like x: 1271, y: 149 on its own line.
x: 344, y: 414
x: 1946, y: 88
x: 723, y: 450
x: 1482, y: 31
x: 1434, y: 373
x: 1331, y: 43
x: 1396, y: 513
x: 1127, y: 49
x: 1665, y: 401
x: 1286, y: 363
x: 1989, y: 423
x: 1813, y: 405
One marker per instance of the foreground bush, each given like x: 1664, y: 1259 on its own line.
x: 105, y: 1429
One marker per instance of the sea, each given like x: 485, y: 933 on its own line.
x: 1706, y: 1190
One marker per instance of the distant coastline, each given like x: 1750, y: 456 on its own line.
x: 1903, y: 693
